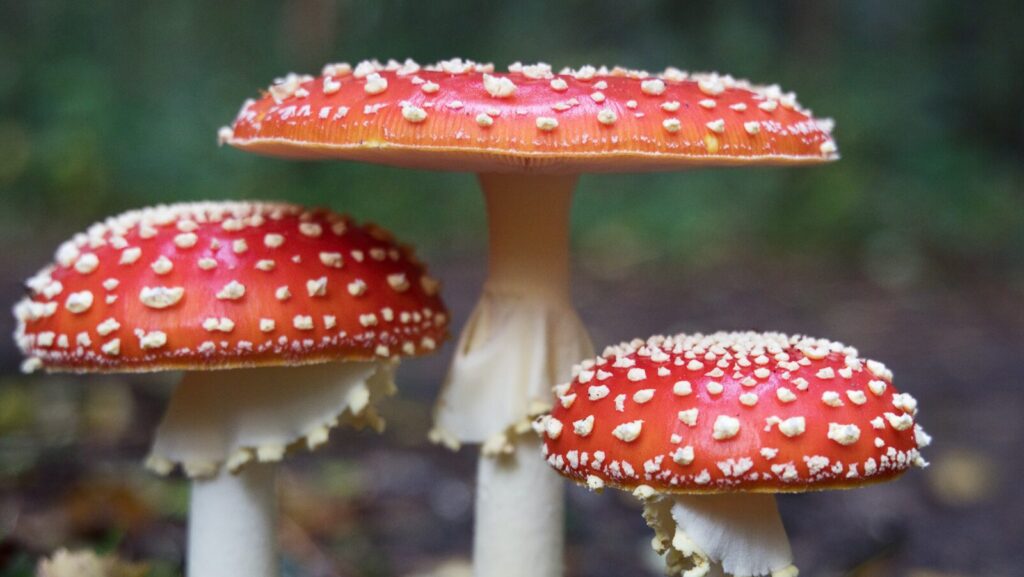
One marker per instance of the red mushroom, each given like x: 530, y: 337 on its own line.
x: 706, y: 428
x: 460, y: 115
x: 528, y: 133
x: 309, y: 309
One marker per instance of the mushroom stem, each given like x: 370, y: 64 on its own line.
x: 519, y: 512
x: 739, y: 533
x: 522, y: 338
x: 232, y: 524
x: 528, y: 218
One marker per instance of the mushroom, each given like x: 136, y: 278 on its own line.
x: 528, y: 133
x: 308, y: 309
x: 705, y: 429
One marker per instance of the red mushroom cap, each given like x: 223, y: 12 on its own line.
x: 732, y: 412
x: 459, y: 115
x: 231, y: 284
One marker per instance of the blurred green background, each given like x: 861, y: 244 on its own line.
x: 911, y: 248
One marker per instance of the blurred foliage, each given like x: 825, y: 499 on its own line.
x: 106, y: 105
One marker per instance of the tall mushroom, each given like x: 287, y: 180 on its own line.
x: 707, y: 428
x: 528, y: 133
x: 308, y: 309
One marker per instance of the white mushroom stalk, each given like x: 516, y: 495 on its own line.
x: 522, y: 336
x: 739, y: 534
x: 228, y: 429
x: 232, y: 526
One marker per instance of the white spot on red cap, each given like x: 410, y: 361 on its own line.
x: 793, y: 426
x: 847, y: 434
x: 162, y: 265
x: 899, y: 422
x: 330, y: 85
x: 725, y: 427
x: 186, y: 240
x: 689, y: 417
x: 628, y: 432
x: 636, y: 374
x: 357, y: 288
x: 152, y: 339
x: 643, y: 396
x: 79, y: 302
x: 317, y: 287
x: 232, y: 291
x: 498, y: 86
x: 111, y: 348
x: 414, y: 114
x: 553, y: 428
x: 87, y: 263
x: 546, y: 123
x: 218, y: 324
x: 398, y: 282
x: 583, y: 427
x: 856, y: 397
x: 652, y: 87
x: 107, y: 326
x: 607, y: 116
x: 160, y: 297
x: 332, y: 259
x: 832, y: 399
x: 311, y: 229
x: 375, y: 84
x: 683, y: 455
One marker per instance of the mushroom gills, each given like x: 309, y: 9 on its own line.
x: 238, y: 416
x: 739, y: 534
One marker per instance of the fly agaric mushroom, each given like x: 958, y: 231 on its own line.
x: 706, y: 428
x: 310, y: 310
x: 528, y: 133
